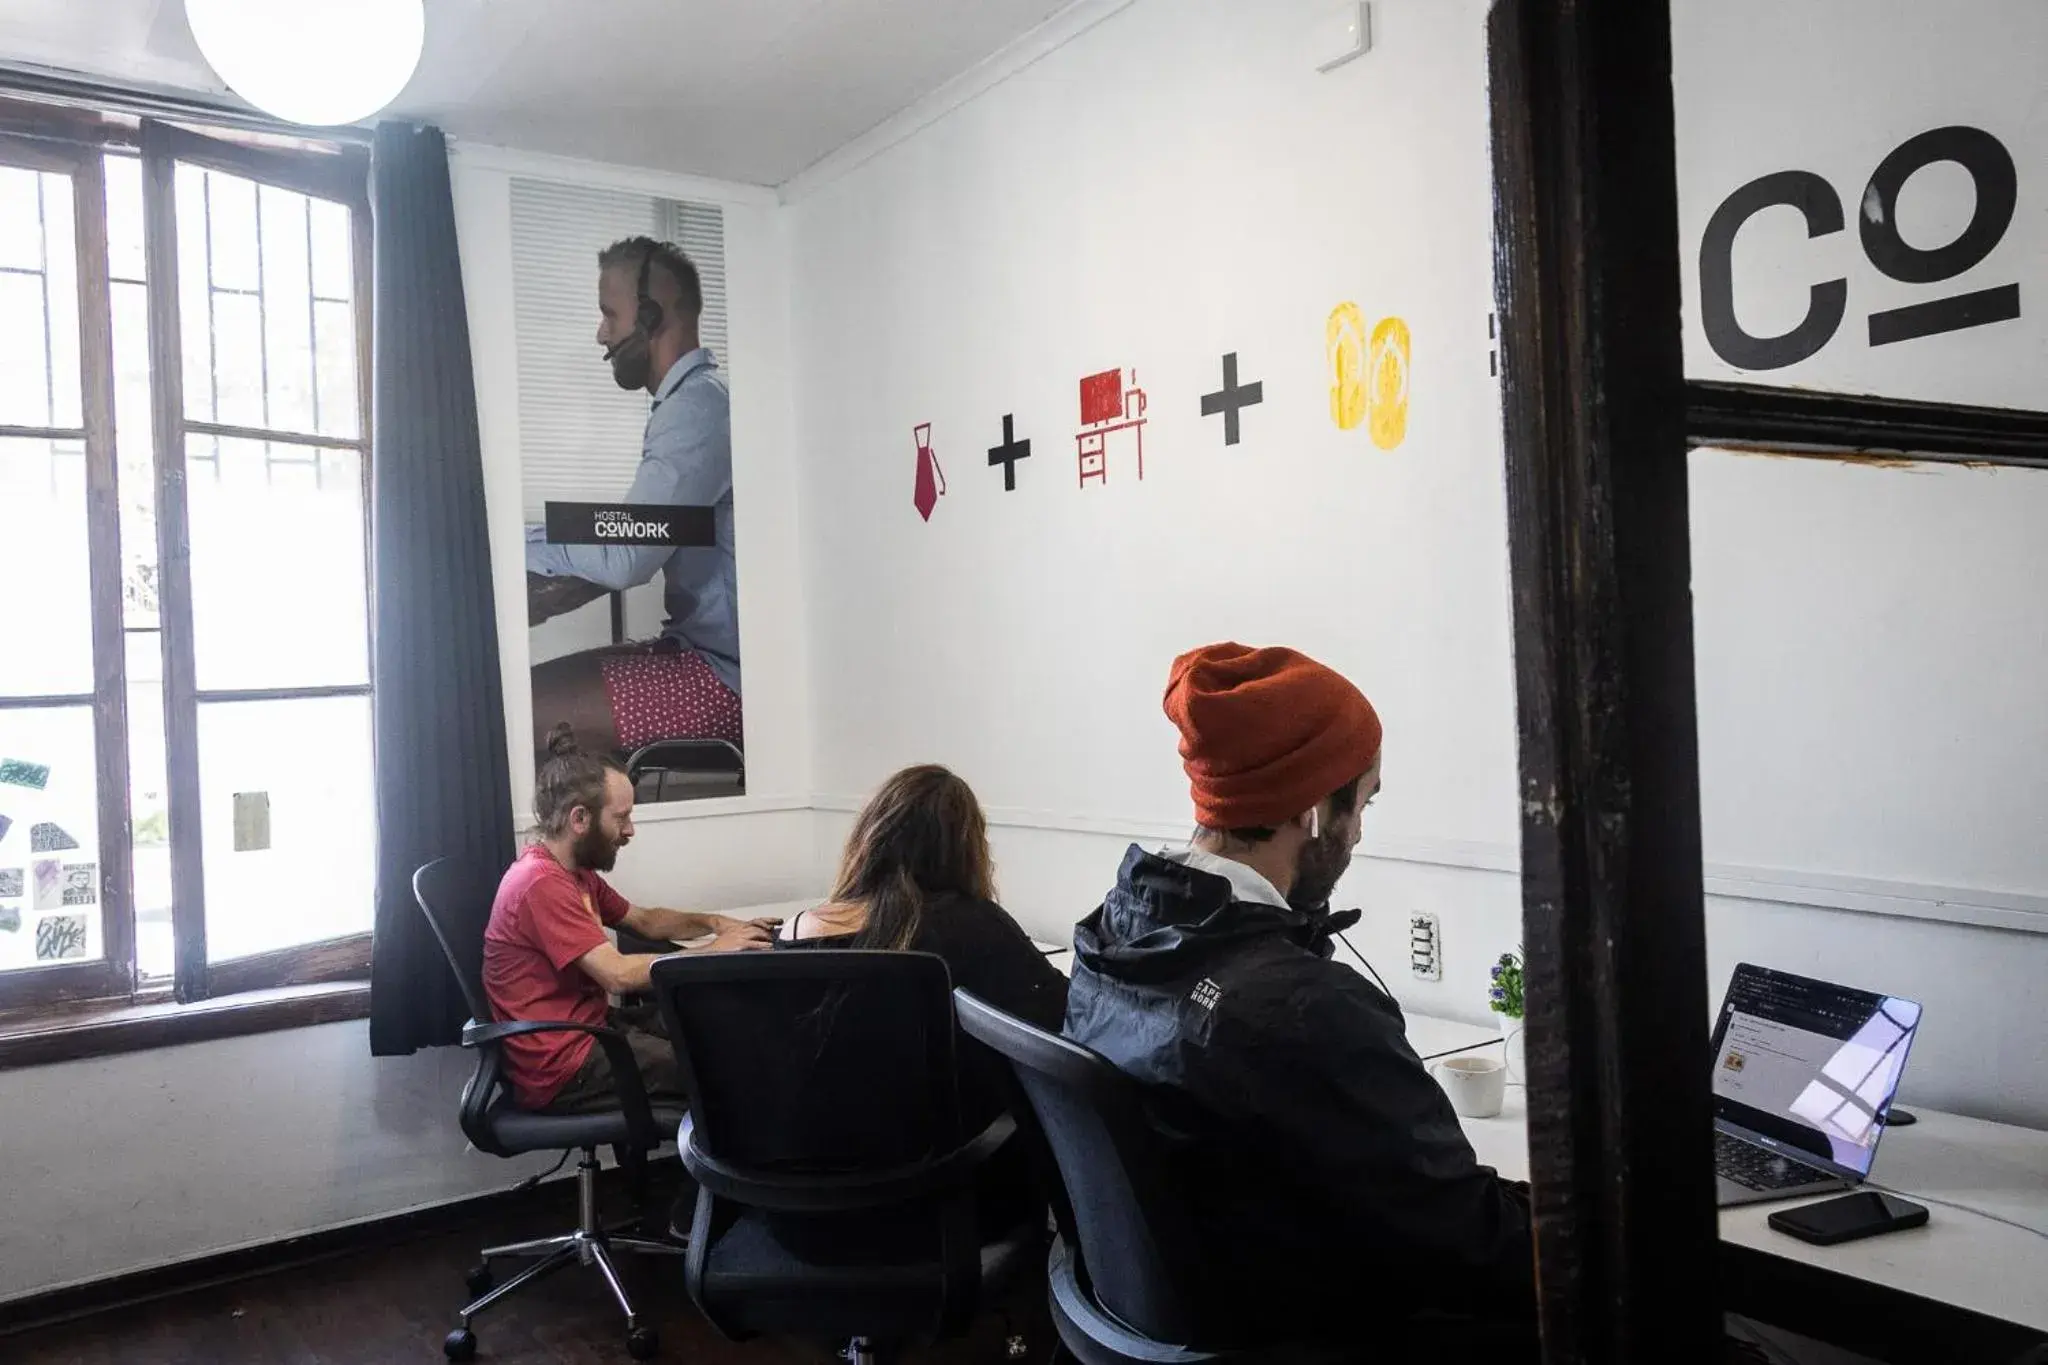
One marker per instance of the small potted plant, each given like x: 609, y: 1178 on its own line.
x: 1504, y: 996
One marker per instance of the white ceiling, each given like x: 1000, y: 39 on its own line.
x: 747, y: 90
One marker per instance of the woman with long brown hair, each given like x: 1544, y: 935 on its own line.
x: 917, y: 877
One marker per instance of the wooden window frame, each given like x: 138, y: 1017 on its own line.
x: 164, y: 147
x: 113, y: 974
x: 37, y: 1004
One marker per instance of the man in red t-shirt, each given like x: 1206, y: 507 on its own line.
x: 546, y: 955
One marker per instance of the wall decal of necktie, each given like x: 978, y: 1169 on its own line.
x: 930, y: 483
x: 1368, y: 374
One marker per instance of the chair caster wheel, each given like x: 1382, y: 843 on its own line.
x: 459, y: 1344
x: 479, y: 1279
x: 643, y: 1343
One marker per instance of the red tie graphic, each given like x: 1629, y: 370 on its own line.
x: 931, y: 480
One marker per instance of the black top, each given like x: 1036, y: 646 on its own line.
x: 1257, y: 1054
x: 987, y: 953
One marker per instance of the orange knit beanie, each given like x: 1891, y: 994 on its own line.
x: 1266, y: 733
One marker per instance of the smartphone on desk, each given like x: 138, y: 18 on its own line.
x: 1865, y: 1213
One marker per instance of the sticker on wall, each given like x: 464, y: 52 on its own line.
x: 13, y: 881
x: 1344, y: 349
x: 1388, y: 358
x: 252, y: 822
x: 928, y: 485
x: 49, y: 880
x: 48, y: 837
x: 1009, y: 452
x: 81, y: 884
x: 1109, y: 406
x: 1231, y: 398
x: 60, y: 938
x: 16, y: 772
x: 1492, y: 346
x: 5, y: 825
x: 10, y: 919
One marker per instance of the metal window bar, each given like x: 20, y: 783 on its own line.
x: 262, y: 316
x: 313, y: 322
x: 43, y: 282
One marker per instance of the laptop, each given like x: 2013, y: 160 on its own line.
x: 1804, y: 1076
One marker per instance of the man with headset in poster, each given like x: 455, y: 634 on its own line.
x: 685, y: 683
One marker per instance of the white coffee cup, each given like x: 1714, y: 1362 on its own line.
x: 1477, y: 1085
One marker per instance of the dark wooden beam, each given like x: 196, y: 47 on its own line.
x: 1837, y: 425
x: 1586, y: 254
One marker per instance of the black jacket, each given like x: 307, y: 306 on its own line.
x: 1324, y: 1167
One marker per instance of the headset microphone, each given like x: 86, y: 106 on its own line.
x: 647, y: 314
x: 611, y: 351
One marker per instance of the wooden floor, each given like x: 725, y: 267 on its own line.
x: 393, y: 1306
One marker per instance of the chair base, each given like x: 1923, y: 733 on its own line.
x: 590, y: 1244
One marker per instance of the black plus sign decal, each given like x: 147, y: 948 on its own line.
x: 1228, y: 399
x: 1008, y: 453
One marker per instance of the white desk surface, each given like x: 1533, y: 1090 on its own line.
x: 1958, y: 1258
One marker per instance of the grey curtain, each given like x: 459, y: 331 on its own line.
x: 443, y: 787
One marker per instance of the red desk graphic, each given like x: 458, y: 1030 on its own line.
x: 1108, y: 406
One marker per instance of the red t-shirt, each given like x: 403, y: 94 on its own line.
x: 545, y: 917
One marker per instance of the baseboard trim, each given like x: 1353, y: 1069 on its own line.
x: 68, y: 1303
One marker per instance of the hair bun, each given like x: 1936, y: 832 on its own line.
x: 562, y: 741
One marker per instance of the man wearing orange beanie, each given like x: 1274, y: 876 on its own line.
x: 1323, y: 1166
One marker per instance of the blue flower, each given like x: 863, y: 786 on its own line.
x: 1498, y: 993
x: 1496, y: 971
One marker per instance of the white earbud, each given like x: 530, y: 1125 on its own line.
x: 1314, y: 823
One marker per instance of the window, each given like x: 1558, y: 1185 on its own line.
x: 185, y: 746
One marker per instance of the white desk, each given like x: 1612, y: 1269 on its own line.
x: 1959, y: 1258
x: 782, y: 910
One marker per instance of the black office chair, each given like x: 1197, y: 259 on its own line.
x: 494, y: 1124
x: 693, y: 758
x: 1124, y: 1268
x: 836, y: 1194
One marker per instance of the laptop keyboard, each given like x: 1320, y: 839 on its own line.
x: 1752, y: 1167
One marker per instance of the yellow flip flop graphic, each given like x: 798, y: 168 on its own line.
x: 1344, y: 346
x: 1389, y: 383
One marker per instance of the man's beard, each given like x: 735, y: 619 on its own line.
x: 1317, y: 869
x: 595, y: 851
x: 632, y: 364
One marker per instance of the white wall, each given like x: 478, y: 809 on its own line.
x: 1177, y: 182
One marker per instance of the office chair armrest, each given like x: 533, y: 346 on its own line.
x: 618, y: 1053
x: 814, y: 1192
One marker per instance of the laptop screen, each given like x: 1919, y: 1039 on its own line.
x: 1809, y: 1066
